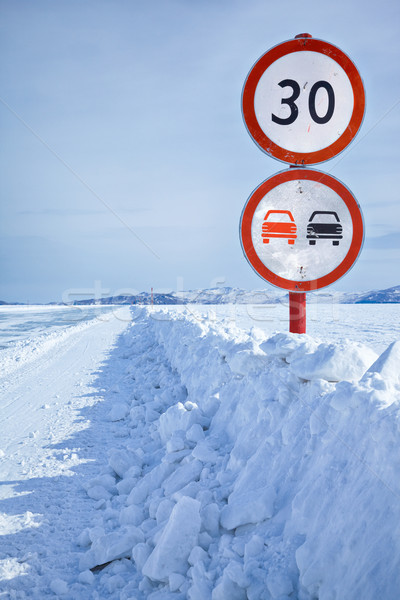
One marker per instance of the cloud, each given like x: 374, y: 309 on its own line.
x: 384, y: 242
x: 62, y: 212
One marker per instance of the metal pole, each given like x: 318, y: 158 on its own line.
x: 297, y: 312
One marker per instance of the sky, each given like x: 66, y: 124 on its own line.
x: 125, y: 163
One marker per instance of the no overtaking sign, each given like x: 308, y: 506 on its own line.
x: 301, y: 230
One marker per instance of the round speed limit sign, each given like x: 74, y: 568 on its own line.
x: 303, y: 101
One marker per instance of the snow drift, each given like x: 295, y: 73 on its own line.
x: 253, y: 468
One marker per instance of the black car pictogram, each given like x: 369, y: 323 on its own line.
x: 324, y: 227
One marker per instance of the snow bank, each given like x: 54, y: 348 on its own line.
x: 254, y: 469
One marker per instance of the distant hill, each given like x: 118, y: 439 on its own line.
x: 224, y: 295
x: 389, y: 296
x: 142, y: 298
x: 228, y: 295
x: 2, y: 303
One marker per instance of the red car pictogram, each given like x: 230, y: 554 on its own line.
x: 282, y: 226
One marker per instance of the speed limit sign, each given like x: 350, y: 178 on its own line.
x: 303, y: 101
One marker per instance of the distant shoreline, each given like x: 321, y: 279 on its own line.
x: 224, y: 296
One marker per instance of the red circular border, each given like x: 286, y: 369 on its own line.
x: 252, y: 204
x: 249, y: 90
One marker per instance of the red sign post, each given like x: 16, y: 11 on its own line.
x: 297, y: 312
x: 303, y: 102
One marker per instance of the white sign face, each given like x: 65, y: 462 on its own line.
x: 301, y: 230
x: 304, y: 101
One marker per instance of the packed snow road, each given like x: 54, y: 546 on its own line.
x: 194, y: 453
x: 46, y: 391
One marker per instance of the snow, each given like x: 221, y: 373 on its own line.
x: 172, y: 453
x: 387, y: 365
x: 47, y: 326
x: 177, y: 541
x: 333, y: 362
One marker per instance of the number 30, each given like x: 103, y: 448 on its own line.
x: 294, y: 111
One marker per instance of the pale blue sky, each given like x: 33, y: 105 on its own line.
x: 124, y: 157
